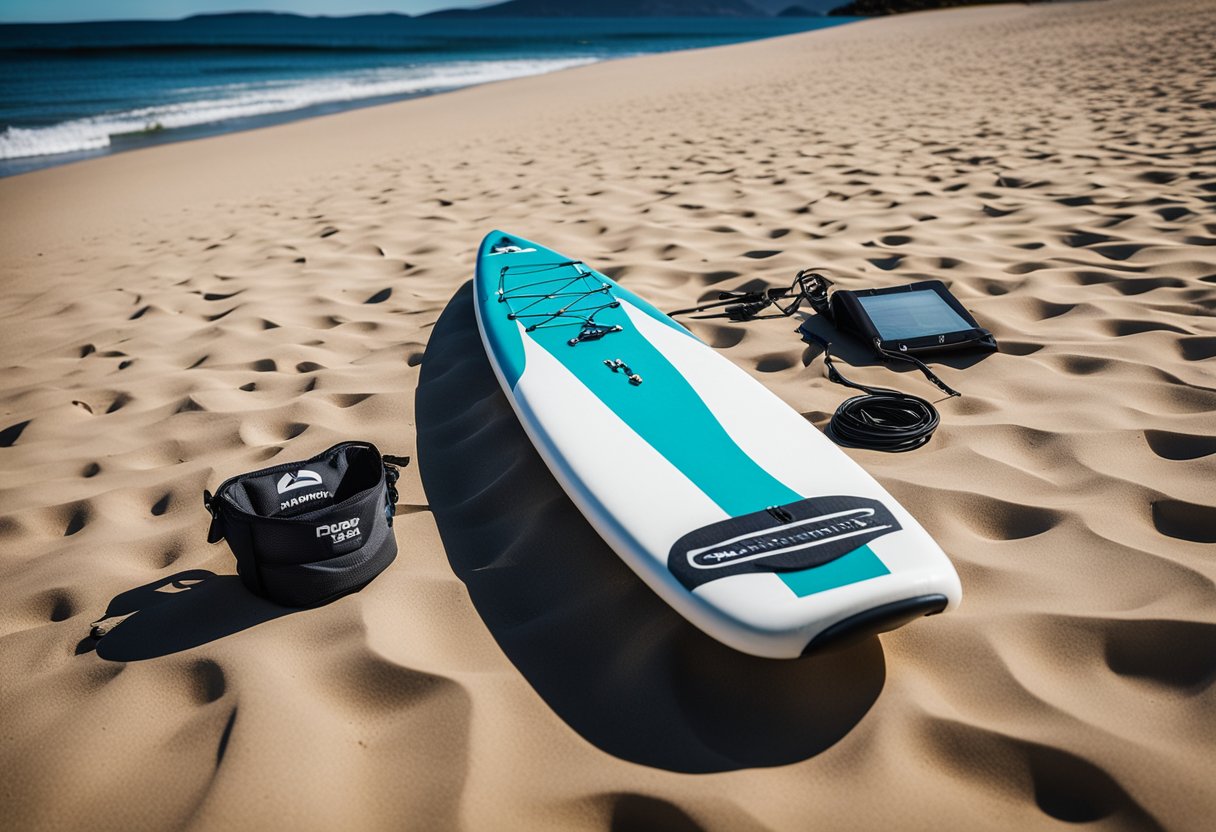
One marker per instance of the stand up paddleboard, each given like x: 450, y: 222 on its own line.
x: 725, y: 501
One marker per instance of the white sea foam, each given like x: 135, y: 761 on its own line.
x: 223, y: 103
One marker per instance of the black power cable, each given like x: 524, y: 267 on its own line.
x: 882, y: 419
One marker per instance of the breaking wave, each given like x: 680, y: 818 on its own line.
x: 210, y: 105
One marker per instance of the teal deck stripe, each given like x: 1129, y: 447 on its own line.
x: 665, y: 411
x: 858, y: 565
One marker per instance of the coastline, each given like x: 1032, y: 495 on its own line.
x: 291, y: 70
x: 180, y: 313
x: 129, y: 143
x: 180, y: 175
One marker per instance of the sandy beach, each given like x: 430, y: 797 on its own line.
x: 179, y: 314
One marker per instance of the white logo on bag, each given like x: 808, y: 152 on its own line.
x: 342, y: 530
x: 300, y: 479
x: 292, y: 502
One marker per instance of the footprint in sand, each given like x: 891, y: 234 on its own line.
x: 120, y: 401
x: 10, y: 435
x: 1185, y: 521
x: 1180, y: 446
x: 161, y: 505
x: 1133, y: 649
x: 78, y: 518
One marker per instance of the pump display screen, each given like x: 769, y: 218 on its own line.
x: 903, y: 316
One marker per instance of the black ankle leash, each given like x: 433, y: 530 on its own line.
x: 747, y: 306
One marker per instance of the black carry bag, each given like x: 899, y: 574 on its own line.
x: 305, y: 533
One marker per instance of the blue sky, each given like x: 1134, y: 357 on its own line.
x: 48, y: 11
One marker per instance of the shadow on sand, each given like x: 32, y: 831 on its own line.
x: 608, y: 656
x: 176, y: 613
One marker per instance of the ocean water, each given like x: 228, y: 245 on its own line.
x: 71, y: 91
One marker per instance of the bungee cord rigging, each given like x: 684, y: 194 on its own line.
x: 587, y: 294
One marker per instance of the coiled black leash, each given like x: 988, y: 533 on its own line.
x: 882, y: 419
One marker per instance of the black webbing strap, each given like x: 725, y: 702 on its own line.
x: 920, y: 365
x: 392, y: 464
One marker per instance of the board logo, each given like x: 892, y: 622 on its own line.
x: 785, y: 538
x: 300, y: 479
x: 802, y: 534
x: 508, y: 250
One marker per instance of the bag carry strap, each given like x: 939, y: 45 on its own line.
x: 215, y: 533
x: 392, y: 465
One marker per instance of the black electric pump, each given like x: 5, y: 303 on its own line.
x: 899, y: 323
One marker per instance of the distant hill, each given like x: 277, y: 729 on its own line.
x: 779, y: 7
x: 798, y: 11
x: 279, y: 16
x: 218, y: 29
x: 609, y: 8
x: 874, y: 8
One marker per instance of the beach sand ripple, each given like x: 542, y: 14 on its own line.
x: 179, y: 314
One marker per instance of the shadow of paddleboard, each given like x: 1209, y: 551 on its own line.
x: 608, y: 656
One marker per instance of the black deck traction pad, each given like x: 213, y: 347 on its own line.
x: 784, y: 538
